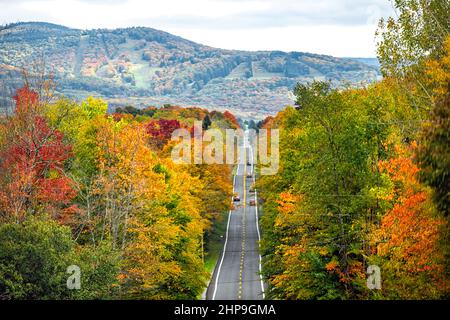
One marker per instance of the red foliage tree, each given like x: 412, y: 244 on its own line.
x: 411, y: 232
x: 26, y: 100
x: 231, y: 118
x: 32, y: 161
x: 161, y: 130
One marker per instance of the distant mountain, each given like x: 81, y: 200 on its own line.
x: 372, y: 62
x: 144, y: 66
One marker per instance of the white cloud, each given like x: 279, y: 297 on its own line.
x: 336, y: 27
x: 339, y: 41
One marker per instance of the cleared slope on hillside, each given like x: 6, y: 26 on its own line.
x: 146, y: 66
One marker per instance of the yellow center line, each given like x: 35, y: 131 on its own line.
x: 243, y: 229
x: 245, y: 193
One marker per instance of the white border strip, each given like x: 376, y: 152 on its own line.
x: 257, y: 226
x: 226, y: 240
x: 259, y: 239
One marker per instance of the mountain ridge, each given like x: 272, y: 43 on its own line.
x: 145, y: 66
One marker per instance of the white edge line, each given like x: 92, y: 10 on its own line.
x: 259, y: 239
x: 257, y: 226
x: 226, y: 240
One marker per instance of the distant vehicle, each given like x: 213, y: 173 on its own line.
x: 252, y: 203
x: 236, y: 198
x: 248, y: 163
x: 249, y: 176
x: 251, y: 190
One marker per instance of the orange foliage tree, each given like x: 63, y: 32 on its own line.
x: 410, y: 234
x: 32, y: 175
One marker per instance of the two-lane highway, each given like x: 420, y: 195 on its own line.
x: 237, y: 273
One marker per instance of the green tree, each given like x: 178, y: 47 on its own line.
x: 433, y: 153
x: 417, y: 33
x: 206, y: 123
x: 35, y: 255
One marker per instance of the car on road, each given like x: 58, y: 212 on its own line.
x: 252, y: 203
x: 236, y: 198
x: 251, y: 190
x: 249, y: 176
x: 248, y: 163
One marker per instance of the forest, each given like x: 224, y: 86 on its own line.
x: 80, y: 187
x: 363, y: 184
x: 364, y: 175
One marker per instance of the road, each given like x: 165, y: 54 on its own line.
x: 237, y: 273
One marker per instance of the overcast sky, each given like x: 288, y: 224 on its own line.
x: 336, y: 27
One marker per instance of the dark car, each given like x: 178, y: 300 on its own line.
x: 236, y: 198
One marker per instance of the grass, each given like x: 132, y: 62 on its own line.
x: 215, y: 242
x: 216, y: 238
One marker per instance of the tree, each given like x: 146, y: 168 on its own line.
x: 409, y: 237
x: 150, y: 211
x: 140, y: 219
x: 80, y: 124
x: 418, y: 33
x: 161, y: 131
x: 125, y: 178
x: 434, y: 146
x: 326, y: 151
x: 231, y: 119
x: 206, y: 122
x: 33, y: 260
x: 347, y: 196
x: 33, y: 176
x: 35, y: 255
x: 252, y: 125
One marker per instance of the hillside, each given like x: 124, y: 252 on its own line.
x: 144, y: 66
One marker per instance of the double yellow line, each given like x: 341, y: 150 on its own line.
x: 243, y: 230
x: 244, y: 188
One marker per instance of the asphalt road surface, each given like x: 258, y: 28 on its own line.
x: 237, y: 272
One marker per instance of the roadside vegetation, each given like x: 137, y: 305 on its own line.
x: 364, y: 175
x: 99, y: 191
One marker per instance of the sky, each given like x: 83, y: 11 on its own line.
x: 342, y: 28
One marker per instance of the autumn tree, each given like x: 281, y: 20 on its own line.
x: 149, y: 210
x: 331, y: 195
x: 161, y: 130
x: 409, y: 240
x: 433, y: 149
x: 32, y: 167
x: 137, y: 221
x: 231, y: 119
x: 326, y: 148
x: 418, y: 31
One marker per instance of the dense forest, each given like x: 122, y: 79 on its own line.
x: 364, y: 175
x: 99, y: 191
x: 363, y: 186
